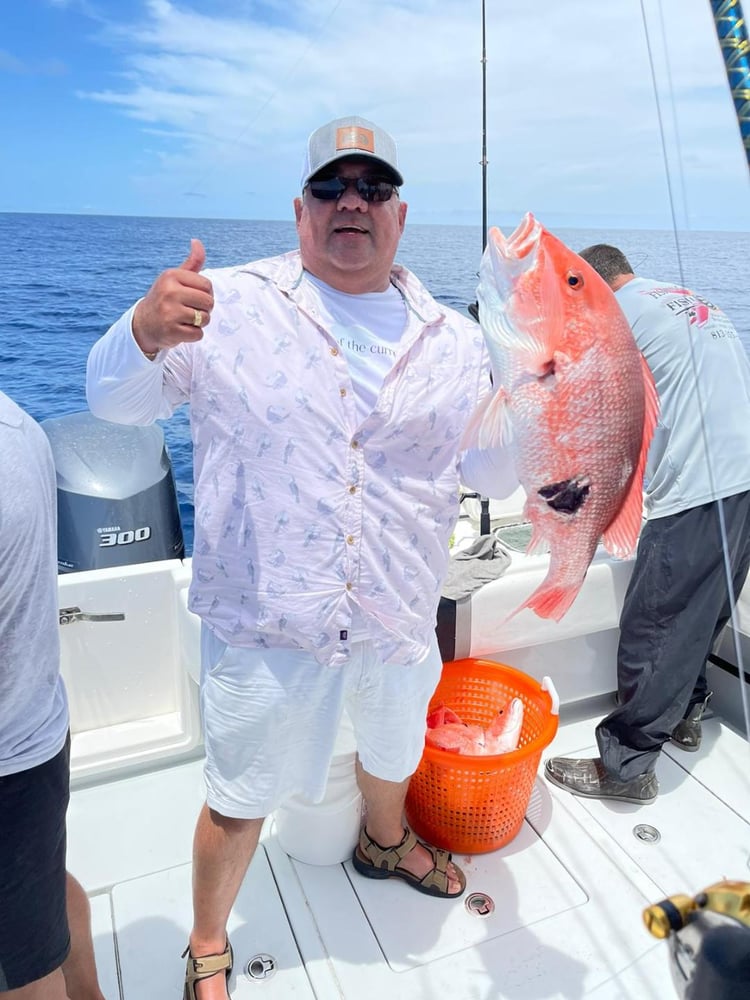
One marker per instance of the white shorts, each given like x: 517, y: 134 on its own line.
x: 270, y: 719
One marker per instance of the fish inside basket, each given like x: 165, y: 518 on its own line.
x: 475, y: 804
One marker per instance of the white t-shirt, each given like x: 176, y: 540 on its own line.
x: 368, y: 328
x: 701, y: 447
x: 33, y: 707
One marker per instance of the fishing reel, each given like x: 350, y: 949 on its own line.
x: 709, y: 940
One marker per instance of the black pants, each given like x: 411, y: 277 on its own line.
x: 676, y: 604
x: 34, y: 938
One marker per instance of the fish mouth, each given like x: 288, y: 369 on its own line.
x: 509, y: 310
x: 507, y: 259
x: 522, y: 243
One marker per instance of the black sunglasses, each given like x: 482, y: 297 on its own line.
x: 368, y: 188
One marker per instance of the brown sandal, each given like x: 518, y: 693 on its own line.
x: 204, y: 967
x: 374, y: 861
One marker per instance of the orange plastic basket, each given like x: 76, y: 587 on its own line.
x: 468, y: 804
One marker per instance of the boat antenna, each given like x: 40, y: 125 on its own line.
x: 731, y: 29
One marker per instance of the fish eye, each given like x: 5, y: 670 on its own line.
x: 575, y: 280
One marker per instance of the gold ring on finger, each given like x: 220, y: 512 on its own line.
x: 197, y: 317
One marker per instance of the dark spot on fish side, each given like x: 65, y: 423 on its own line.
x: 566, y: 496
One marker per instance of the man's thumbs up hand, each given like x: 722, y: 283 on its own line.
x: 176, y: 307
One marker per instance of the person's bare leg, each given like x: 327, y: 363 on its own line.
x: 79, y: 968
x: 51, y: 987
x: 222, y: 850
x: 76, y: 979
x: 385, y: 822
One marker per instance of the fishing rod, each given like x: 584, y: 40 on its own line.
x: 731, y: 30
x: 484, y: 502
x: 474, y: 306
x: 483, y: 161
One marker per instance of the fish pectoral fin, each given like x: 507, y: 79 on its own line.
x: 489, y: 426
x: 532, y: 350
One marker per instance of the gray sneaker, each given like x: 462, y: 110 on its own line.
x: 589, y: 778
x: 688, y: 732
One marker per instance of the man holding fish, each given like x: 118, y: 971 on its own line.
x: 329, y: 395
x: 697, y: 536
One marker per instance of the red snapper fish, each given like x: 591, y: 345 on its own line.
x: 446, y: 731
x: 574, y: 400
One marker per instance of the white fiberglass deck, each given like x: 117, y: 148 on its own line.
x: 568, y: 892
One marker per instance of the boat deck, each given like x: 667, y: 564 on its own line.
x: 568, y: 892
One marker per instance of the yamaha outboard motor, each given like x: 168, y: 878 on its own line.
x: 116, y: 497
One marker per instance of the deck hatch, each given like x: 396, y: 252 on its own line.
x: 525, y: 881
x: 672, y: 861
x: 152, y: 917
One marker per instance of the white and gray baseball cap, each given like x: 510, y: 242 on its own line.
x: 347, y: 137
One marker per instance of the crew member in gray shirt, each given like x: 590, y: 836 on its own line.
x: 697, y: 501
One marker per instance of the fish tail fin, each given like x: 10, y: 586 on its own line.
x: 551, y: 600
x: 621, y: 536
x: 441, y: 715
x: 489, y: 425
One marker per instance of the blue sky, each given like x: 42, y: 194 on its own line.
x: 180, y: 108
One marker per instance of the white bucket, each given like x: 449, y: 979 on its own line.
x: 326, y: 832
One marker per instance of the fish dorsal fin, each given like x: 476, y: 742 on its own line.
x: 621, y: 536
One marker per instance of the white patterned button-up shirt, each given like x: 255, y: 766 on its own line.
x: 304, y: 514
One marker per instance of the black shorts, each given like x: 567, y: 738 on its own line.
x: 34, y: 936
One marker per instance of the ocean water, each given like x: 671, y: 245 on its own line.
x: 66, y: 278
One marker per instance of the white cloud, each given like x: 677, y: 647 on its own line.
x: 573, y: 130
